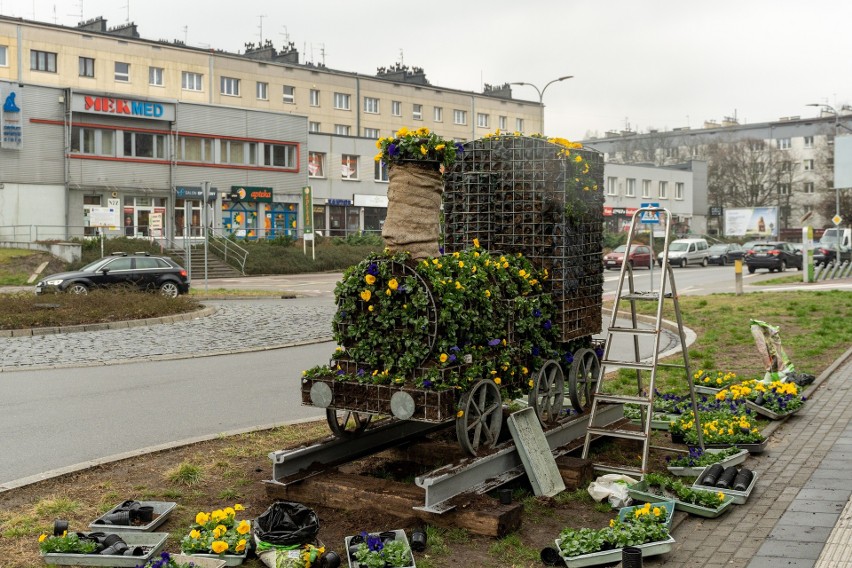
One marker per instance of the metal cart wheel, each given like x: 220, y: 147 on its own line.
x: 347, y: 423
x: 583, y: 377
x: 548, y: 392
x: 481, y: 417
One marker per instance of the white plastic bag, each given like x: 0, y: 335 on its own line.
x: 612, y: 487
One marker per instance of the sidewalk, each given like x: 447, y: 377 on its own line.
x: 800, y: 513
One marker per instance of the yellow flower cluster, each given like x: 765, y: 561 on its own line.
x: 646, y: 511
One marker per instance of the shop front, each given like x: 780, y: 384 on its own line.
x: 250, y: 213
x: 617, y: 219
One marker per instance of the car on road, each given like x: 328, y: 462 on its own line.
x: 725, y: 253
x: 140, y: 271
x: 773, y: 255
x: 686, y: 251
x: 640, y: 255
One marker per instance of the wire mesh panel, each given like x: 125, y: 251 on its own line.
x: 520, y: 194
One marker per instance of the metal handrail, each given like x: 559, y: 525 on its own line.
x: 220, y: 242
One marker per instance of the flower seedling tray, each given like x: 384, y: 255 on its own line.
x: 756, y: 448
x: 735, y: 459
x: 161, y: 512
x: 153, y: 541
x: 626, y: 512
x: 658, y: 422
x: 614, y: 555
x: 772, y: 415
x: 640, y: 492
x: 738, y: 497
x: 706, y: 390
x: 398, y: 535
x: 199, y: 562
x: 226, y: 559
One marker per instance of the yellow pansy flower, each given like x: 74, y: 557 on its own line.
x: 217, y: 515
x: 423, y: 149
x: 244, y: 527
x: 440, y: 147
x: 202, y: 518
x: 476, y: 243
x: 370, y: 279
x: 393, y: 284
x: 402, y: 132
x: 42, y: 537
x: 194, y: 534
x: 366, y: 295
x: 460, y: 413
x: 241, y: 545
x: 229, y: 511
x: 443, y: 358
x: 219, y: 546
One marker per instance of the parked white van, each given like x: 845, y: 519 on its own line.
x: 687, y: 251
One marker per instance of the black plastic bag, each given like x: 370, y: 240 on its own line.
x: 285, y: 524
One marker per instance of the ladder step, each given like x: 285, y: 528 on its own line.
x: 645, y: 296
x: 627, y: 364
x: 617, y: 433
x: 636, y: 330
x: 621, y: 398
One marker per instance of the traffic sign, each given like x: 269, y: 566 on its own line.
x: 837, y: 219
x: 649, y: 217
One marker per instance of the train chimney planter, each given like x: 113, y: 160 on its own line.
x: 414, y: 206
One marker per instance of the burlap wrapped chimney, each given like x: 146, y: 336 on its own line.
x: 414, y: 208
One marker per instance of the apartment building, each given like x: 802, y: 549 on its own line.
x: 304, y: 124
x: 788, y: 163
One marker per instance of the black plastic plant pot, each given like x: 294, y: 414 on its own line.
x: 727, y: 478
x: 330, y: 560
x: 712, y: 475
x: 631, y: 557
x: 743, y: 479
x: 505, y: 496
x: 418, y: 540
x: 550, y: 556
x: 678, y: 438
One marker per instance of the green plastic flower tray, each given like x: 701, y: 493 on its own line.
x: 153, y: 541
x: 614, y: 555
x: 640, y: 492
x: 625, y: 512
x: 161, y: 513
x: 735, y: 459
x: 772, y: 415
x: 398, y: 535
x: 198, y: 561
x: 228, y: 559
x: 706, y: 390
x: 755, y: 448
x: 738, y: 497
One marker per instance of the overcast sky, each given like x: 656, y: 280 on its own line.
x: 636, y: 63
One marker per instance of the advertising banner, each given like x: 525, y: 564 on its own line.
x: 756, y: 222
x: 11, y: 123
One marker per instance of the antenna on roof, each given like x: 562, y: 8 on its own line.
x: 401, y: 57
x: 286, y: 35
x: 260, y: 27
x: 128, y: 10
x: 185, y: 31
x: 322, y: 53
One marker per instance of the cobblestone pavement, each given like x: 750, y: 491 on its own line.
x: 236, y: 325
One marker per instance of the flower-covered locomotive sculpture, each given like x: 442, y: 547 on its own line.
x: 516, y: 296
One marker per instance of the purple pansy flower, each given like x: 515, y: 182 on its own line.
x: 494, y: 342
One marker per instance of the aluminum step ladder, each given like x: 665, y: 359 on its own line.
x: 644, y: 217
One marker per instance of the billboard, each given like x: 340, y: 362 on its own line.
x: 755, y: 222
x: 843, y: 162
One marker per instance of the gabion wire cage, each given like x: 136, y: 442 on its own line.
x: 524, y: 194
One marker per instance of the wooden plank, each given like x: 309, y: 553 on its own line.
x: 478, y: 514
x: 576, y: 473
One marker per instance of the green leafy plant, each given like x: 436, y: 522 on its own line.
x: 646, y: 524
x: 374, y: 552
x: 699, y: 458
x: 419, y: 145
x: 217, y: 532
x: 68, y: 543
x: 685, y: 494
x: 777, y: 396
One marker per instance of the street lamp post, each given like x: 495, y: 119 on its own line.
x: 836, y: 114
x: 541, y: 94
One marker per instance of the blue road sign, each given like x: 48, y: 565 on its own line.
x: 649, y: 217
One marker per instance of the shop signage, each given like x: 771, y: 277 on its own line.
x: 246, y: 193
x: 11, y: 125
x: 188, y: 192
x: 715, y: 211
x: 339, y: 202
x: 363, y: 200
x: 619, y: 211
x: 307, y: 211
x: 130, y: 108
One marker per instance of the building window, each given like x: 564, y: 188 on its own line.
x: 459, y: 116
x: 396, y: 108
x: 87, y: 67
x: 289, y: 94
x: 482, y: 120
x: 371, y: 133
x: 4, y: 56
x: 42, y: 61
x: 229, y: 86
x: 663, y: 189
x: 808, y: 165
x: 783, y: 143
x: 809, y: 141
x: 417, y: 112
x: 519, y: 124
x: 679, y: 190
x: 784, y: 189
x: 314, y: 127
x: 756, y: 145
x: 122, y: 71
x: 144, y: 145
x: 341, y: 101
x: 646, y: 188
x: 371, y: 105
x: 349, y: 166
x: 195, y: 149
x: 155, y: 76
x: 342, y: 129
x: 315, y: 98
x: 807, y: 208
x: 190, y: 81
x: 89, y: 203
x: 808, y: 187
x: 786, y: 167
x: 262, y: 91
x: 380, y: 171
x: 239, y: 153
x: 612, y: 186
x: 438, y: 114
x: 279, y: 155
x: 316, y: 164
x: 92, y: 141
x: 630, y: 188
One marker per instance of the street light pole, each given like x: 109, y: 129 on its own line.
x: 541, y: 94
x: 836, y: 114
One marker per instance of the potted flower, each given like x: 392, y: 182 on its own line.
x: 709, y: 382
x: 722, y: 429
x: 774, y: 400
x: 166, y: 560
x: 66, y: 543
x: 380, y: 550
x: 697, y: 459
x: 218, y: 533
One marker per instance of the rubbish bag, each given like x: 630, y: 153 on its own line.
x: 286, y: 523
x: 613, y: 487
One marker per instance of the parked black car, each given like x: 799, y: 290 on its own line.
x: 725, y: 253
x: 777, y: 255
x: 141, y: 271
x: 824, y: 254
